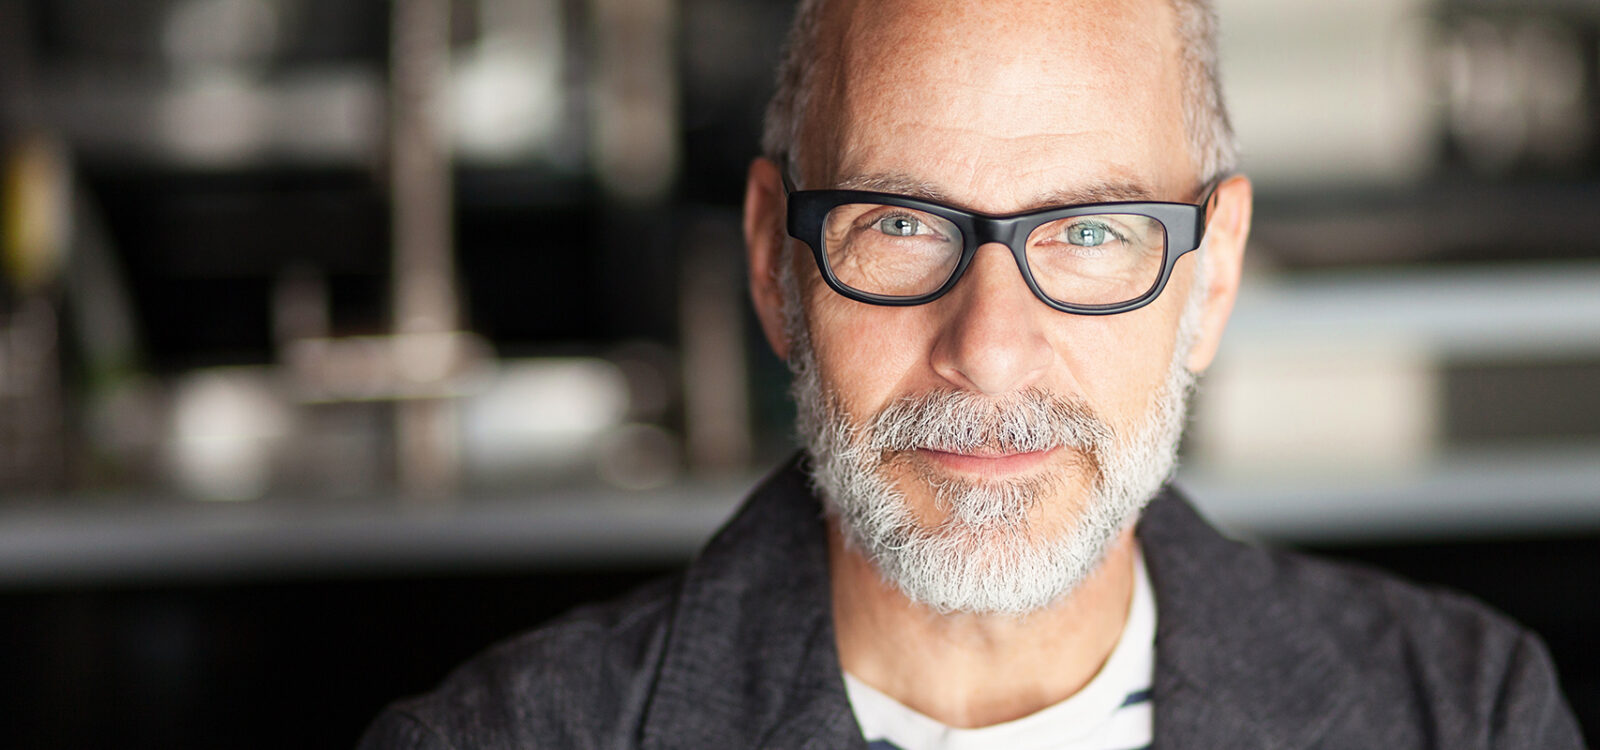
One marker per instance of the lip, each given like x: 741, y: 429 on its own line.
x: 987, y: 464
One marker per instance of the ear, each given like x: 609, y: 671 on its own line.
x: 1226, y: 234
x: 764, y: 236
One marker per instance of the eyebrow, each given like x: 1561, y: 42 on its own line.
x: 1107, y: 191
x: 1097, y: 192
x: 894, y: 182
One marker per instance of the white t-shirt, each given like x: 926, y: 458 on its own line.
x: 1112, y: 712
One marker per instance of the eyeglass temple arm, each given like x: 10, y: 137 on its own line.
x: 1210, y: 193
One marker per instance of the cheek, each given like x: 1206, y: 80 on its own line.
x: 1119, y: 361
x: 867, y: 355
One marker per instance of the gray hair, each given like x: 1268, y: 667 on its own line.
x: 1205, y: 115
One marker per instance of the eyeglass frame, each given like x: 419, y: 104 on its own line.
x: 808, y: 211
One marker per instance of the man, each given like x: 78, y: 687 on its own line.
x: 995, y: 241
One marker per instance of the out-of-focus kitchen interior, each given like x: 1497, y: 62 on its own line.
x: 339, y: 339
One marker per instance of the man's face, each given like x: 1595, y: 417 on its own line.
x: 997, y: 110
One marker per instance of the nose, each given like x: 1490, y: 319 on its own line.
x: 992, y: 338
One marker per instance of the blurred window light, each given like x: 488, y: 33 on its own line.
x: 217, y: 118
x: 228, y: 427
x: 1329, y: 91
x: 1292, y: 410
x: 543, y: 417
x: 508, y: 89
x: 225, y: 119
x: 220, y: 33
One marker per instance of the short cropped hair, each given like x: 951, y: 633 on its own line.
x: 1205, y: 115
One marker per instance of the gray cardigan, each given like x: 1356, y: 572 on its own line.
x: 1254, y: 649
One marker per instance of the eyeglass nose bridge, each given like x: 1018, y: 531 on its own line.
x: 987, y: 229
x: 1006, y: 231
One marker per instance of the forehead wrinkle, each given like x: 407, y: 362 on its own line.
x: 895, y: 73
x: 858, y: 169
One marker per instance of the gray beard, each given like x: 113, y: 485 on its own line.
x: 988, y: 555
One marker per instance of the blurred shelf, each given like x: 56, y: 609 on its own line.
x: 1498, y: 493
x: 1527, y: 310
x: 109, y: 541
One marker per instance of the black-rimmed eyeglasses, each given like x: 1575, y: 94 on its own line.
x: 1092, y: 259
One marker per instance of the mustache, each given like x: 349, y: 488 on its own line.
x: 962, y: 421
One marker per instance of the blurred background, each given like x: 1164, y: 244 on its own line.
x: 341, y: 338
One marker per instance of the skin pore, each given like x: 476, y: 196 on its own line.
x: 996, y: 109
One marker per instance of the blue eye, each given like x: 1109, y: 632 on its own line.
x: 899, y: 226
x: 1088, y: 235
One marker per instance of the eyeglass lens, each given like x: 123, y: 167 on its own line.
x: 894, y: 251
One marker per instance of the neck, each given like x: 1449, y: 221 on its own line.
x: 970, y: 670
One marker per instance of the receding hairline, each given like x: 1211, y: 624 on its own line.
x: 1207, y: 129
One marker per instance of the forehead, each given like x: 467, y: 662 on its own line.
x: 993, y: 103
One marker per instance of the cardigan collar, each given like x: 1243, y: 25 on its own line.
x: 751, y: 657
x: 1239, y: 662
